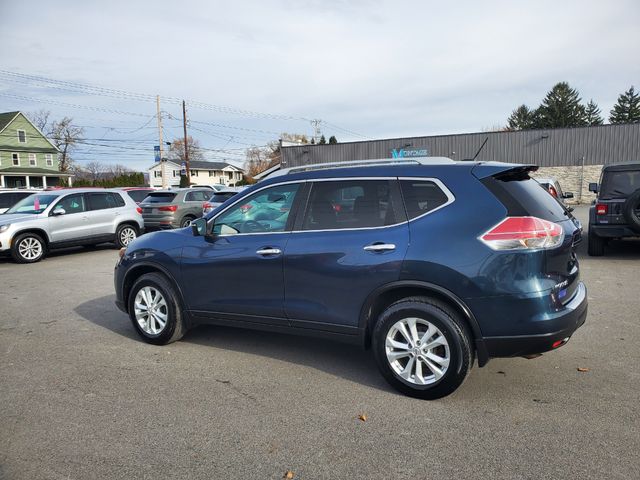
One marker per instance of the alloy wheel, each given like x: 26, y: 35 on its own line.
x: 127, y: 235
x: 30, y: 248
x: 151, y: 310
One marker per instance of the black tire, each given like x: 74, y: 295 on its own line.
x: 631, y: 211
x: 124, y: 233
x: 174, y: 328
x: 20, y: 242
x: 595, y: 248
x: 186, y: 221
x: 452, y: 327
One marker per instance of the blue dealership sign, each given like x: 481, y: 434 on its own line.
x: 156, y: 151
x: 409, y: 152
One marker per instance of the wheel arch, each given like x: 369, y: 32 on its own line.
x: 38, y: 231
x: 384, y: 296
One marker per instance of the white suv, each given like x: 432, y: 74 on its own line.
x: 64, y: 218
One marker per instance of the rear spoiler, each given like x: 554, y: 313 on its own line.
x: 499, y: 169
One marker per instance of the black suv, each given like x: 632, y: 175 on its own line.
x: 616, y: 211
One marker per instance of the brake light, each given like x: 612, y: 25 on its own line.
x: 206, y: 205
x: 602, y: 209
x: 138, y: 209
x: 553, y: 192
x: 245, y: 208
x: 168, y: 208
x: 523, y: 233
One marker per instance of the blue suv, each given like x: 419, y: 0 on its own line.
x: 431, y: 263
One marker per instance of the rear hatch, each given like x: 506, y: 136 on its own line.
x: 158, y: 205
x: 523, y: 196
x: 618, y: 184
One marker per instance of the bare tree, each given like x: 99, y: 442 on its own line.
x: 117, y: 170
x: 40, y: 119
x: 95, y: 170
x: 176, y: 150
x: 65, y: 135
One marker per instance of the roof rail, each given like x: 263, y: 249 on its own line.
x: 363, y: 163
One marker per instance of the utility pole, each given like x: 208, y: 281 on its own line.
x: 162, y: 162
x: 186, y: 145
x: 316, y: 129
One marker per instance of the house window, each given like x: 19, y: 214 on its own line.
x: 176, y: 173
x: 49, y: 159
x: 194, y: 173
x: 16, y: 159
x: 22, y: 136
x: 32, y: 159
x: 157, y: 173
x: 211, y: 173
x: 230, y: 175
x: 221, y: 181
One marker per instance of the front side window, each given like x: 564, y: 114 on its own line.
x: 33, y: 204
x: 351, y: 204
x: 22, y: 136
x: 32, y: 159
x: 265, y: 211
x: 72, y: 204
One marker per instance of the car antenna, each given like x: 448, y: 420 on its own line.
x: 478, y: 152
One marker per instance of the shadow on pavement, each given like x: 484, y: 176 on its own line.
x: 63, y: 252
x: 339, y: 359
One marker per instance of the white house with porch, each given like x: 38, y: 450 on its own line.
x: 202, y: 173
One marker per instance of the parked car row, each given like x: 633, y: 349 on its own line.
x: 31, y: 223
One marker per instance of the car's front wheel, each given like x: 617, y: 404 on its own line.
x: 422, y: 347
x: 154, y: 309
x: 28, y: 248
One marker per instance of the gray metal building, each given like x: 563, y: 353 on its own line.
x: 598, y: 145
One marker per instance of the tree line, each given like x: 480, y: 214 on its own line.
x: 562, y: 107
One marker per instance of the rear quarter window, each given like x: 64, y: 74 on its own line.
x: 422, y: 196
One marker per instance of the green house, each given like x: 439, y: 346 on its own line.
x: 27, y: 158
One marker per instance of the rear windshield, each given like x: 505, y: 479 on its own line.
x: 222, y: 197
x: 523, y: 196
x: 138, y: 195
x: 164, y: 197
x: 620, y: 184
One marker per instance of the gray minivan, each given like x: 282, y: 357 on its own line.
x: 64, y: 218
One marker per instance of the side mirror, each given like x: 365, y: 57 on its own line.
x: 567, y: 195
x: 593, y: 187
x: 199, y: 227
x: 59, y: 211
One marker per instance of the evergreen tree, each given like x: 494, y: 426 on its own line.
x: 522, y: 118
x: 322, y: 140
x: 592, y: 113
x: 313, y: 141
x: 561, y: 107
x: 184, y: 181
x: 333, y: 140
x: 627, y: 108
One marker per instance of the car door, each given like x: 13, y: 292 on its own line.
x: 237, y: 271
x: 193, y: 202
x: 74, y: 223
x: 102, y: 211
x: 351, y: 240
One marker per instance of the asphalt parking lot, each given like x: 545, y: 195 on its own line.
x: 83, y: 397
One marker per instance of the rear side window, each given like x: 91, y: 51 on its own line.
x: 351, y: 204
x: 421, y: 196
x: 197, y: 196
x: 523, y: 196
x: 620, y: 184
x: 102, y: 201
x: 163, y: 197
x: 222, y: 197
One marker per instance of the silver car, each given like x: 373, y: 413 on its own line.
x: 64, y: 218
x: 166, y: 209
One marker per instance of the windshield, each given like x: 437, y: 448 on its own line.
x: 33, y: 204
x: 620, y: 184
x: 222, y: 197
x: 164, y: 197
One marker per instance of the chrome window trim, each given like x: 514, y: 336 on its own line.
x: 447, y: 192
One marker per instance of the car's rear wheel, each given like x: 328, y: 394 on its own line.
x: 125, y: 235
x: 595, y: 248
x: 28, y: 248
x: 154, y: 309
x: 422, y: 347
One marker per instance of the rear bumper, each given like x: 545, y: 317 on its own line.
x: 156, y: 222
x: 612, y: 231
x: 569, y: 320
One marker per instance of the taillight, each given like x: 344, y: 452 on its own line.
x: 168, y: 208
x: 138, y: 209
x: 523, y: 233
x: 206, y: 205
x: 602, y: 209
x: 245, y: 208
x: 553, y: 192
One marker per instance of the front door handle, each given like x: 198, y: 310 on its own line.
x: 269, y: 251
x: 380, y: 247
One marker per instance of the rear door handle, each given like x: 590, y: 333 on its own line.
x: 380, y: 247
x: 269, y: 251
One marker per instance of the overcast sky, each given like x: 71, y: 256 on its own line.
x: 374, y: 69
